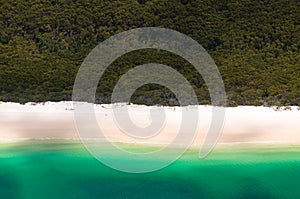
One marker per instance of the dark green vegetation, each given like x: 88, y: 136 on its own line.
x: 65, y: 170
x: 254, y: 43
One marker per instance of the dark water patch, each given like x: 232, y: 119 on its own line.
x: 251, y: 188
x: 9, y: 186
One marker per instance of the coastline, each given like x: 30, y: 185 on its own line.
x: 55, y: 121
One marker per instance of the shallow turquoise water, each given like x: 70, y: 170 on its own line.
x: 66, y: 170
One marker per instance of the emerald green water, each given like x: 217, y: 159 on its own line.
x: 66, y: 170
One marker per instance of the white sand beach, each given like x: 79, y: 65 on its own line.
x: 55, y: 120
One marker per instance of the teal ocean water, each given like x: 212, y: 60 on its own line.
x: 43, y: 169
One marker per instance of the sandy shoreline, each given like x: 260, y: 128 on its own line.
x: 244, y: 124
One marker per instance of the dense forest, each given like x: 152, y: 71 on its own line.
x: 255, y: 45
